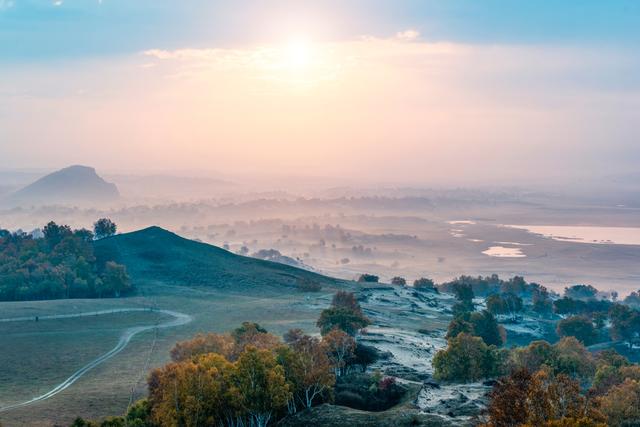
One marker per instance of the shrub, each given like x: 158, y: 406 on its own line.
x: 306, y: 285
x: 368, y: 392
x: 424, y: 284
x: 368, y: 278
x: 399, y: 281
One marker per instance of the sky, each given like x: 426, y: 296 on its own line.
x: 420, y: 92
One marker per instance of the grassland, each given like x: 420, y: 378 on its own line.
x: 42, y: 355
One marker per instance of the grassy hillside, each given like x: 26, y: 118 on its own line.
x: 155, y: 254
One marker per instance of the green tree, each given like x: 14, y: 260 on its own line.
x: 580, y: 327
x: 346, y: 320
x: 104, y: 227
x: 115, y: 280
x: 467, y: 358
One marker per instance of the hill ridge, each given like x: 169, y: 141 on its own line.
x: 154, y: 254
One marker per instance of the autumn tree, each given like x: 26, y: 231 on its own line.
x: 346, y: 300
x: 621, y: 404
x: 192, y: 393
x: 222, y: 344
x: 252, y: 334
x: 308, y: 371
x: 340, y: 348
x: 263, y: 389
x: 540, y: 399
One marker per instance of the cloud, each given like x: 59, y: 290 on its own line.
x: 378, y: 108
x: 408, y: 35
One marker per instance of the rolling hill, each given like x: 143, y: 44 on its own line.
x: 157, y: 255
x: 75, y: 184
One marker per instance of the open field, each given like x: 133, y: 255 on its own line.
x: 37, y: 356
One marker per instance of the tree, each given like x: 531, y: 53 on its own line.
x: 481, y: 324
x: 399, y: 281
x: 340, y: 348
x: 467, y: 358
x: 504, y: 304
x: 621, y: 404
x: 104, y: 227
x: 293, y: 335
x: 203, y: 344
x: 463, y: 292
x: 262, y: 385
x: 625, y: 323
x: 424, y: 284
x: 486, y: 327
x: 347, y: 301
x: 54, y: 233
x: 540, y: 399
x: 508, y: 400
x: 633, y: 299
x: 533, y: 356
x: 345, y: 314
x: 251, y: 334
x: 346, y: 320
x: 191, y: 393
x: 580, y: 292
x: 541, y: 301
x: 115, y: 280
x: 580, y: 327
x: 308, y: 371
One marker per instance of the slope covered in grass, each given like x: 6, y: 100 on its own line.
x: 157, y: 255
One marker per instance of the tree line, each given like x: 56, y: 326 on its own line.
x: 543, y: 384
x: 59, y: 264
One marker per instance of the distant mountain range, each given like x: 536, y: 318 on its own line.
x: 75, y: 184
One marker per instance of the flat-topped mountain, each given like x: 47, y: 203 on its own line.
x: 75, y: 184
x: 157, y: 255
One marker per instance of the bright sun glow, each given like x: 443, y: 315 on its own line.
x: 298, y: 54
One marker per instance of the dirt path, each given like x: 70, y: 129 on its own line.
x: 178, y: 320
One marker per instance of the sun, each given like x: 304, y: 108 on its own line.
x: 298, y: 53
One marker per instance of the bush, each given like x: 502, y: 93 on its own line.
x: 399, y: 281
x: 424, y: 284
x: 306, y: 285
x: 368, y: 278
x: 368, y: 392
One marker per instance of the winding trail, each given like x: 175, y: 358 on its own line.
x: 178, y: 320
